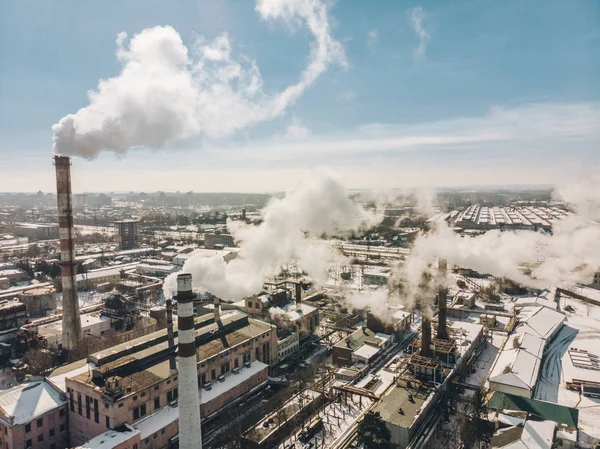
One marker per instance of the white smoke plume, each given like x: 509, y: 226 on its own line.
x: 289, y: 232
x: 571, y: 253
x: 166, y: 92
x: 377, y: 301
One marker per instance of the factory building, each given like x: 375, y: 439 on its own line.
x: 212, y: 240
x: 131, y: 382
x: 33, y: 416
x: 362, y: 346
x: 35, y: 231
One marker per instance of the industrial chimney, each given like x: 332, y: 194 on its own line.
x: 442, y: 330
x: 170, y: 338
x: 71, y: 322
x: 217, y: 308
x: 298, y: 297
x: 190, y: 433
x: 426, y: 336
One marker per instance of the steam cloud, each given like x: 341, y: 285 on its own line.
x: 163, y: 95
x: 571, y: 253
x: 289, y: 232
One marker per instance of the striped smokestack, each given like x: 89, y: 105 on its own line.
x: 170, y: 338
x: 442, y: 330
x: 190, y: 433
x: 71, y: 321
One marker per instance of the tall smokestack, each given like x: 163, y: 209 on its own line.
x: 217, y: 307
x: 442, y: 330
x: 170, y: 338
x: 426, y: 336
x: 298, y: 296
x: 190, y: 433
x: 71, y: 322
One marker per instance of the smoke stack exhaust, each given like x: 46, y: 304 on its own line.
x: 442, y: 330
x: 190, y: 432
x: 426, y: 337
x: 71, y: 322
x: 170, y: 338
x: 299, y: 296
x: 217, y: 307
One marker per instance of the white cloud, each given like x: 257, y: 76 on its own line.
x: 167, y: 92
x: 297, y: 131
x: 372, y: 38
x: 417, y: 16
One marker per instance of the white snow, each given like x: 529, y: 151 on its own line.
x: 60, y: 380
x: 231, y: 381
x: 109, y: 439
x: 157, y: 421
x: 26, y: 402
x: 538, y: 434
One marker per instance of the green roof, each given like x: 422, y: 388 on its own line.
x: 546, y: 410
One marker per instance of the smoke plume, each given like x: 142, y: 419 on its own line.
x: 164, y: 94
x: 289, y: 232
x: 571, y: 253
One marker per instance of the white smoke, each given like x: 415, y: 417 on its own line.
x: 163, y: 94
x: 377, y: 301
x: 570, y: 254
x: 289, y: 232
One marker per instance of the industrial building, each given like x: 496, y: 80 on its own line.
x: 212, y: 240
x: 361, y: 346
x: 35, y: 231
x: 39, y: 301
x: 33, y: 415
x: 134, y: 380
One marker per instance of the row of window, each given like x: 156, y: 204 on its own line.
x: 40, y: 437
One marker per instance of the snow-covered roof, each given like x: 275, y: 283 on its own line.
x: 60, y: 379
x: 538, y: 434
x: 533, y: 345
x: 231, y: 381
x: 159, y: 420
x: 366, y: 351
x: 26, y: 402
x: 290, y: 310
x: 110, y: 439
x: 524, y: 370
x: 509, y: 379
x: 543, y: 322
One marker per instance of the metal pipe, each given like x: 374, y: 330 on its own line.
x: 190, y: 432
x: 171, y: 340
x: 217, y: 308
x: 442, y: 330
x: 71, y: 321
x: 426, y: 336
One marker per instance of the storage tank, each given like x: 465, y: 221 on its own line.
x: 39, y: 301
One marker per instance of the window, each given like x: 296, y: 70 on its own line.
x: 62, y: 412
x: 96, y: 411
x: 175, y: 378
x: 40, y: 437
x: 236, y: 363
x: 256, y: 354
x: 28, y: 427
x: 135, y: 446
x: 162, y: 431
x: 87, y: 406
x: 107, y: 422
x: 214, y: 374
x: 257, y: 305
x: 250, y: 305
x: 53, y: 446
x: 28, y: 443
x: 79, y: 404
x: 168, y: 381
x: 155, y: 387
x: 51, y: 433
x: 135, y: 398
x: 156, y: 403
x: 139, y: 412
x: 63, y: 428
x: 40, y: 422
x: 155, y: 436
x: 120, y: 404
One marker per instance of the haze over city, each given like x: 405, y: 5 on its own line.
x: 299, y: 224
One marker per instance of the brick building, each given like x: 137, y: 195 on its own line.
x: 131, y: 382
x: 33, y: 415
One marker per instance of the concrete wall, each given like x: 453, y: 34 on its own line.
x: 510, y: 389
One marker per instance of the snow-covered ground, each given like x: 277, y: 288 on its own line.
x: 337, y: 419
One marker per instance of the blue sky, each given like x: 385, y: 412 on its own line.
x: 432, y: 93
